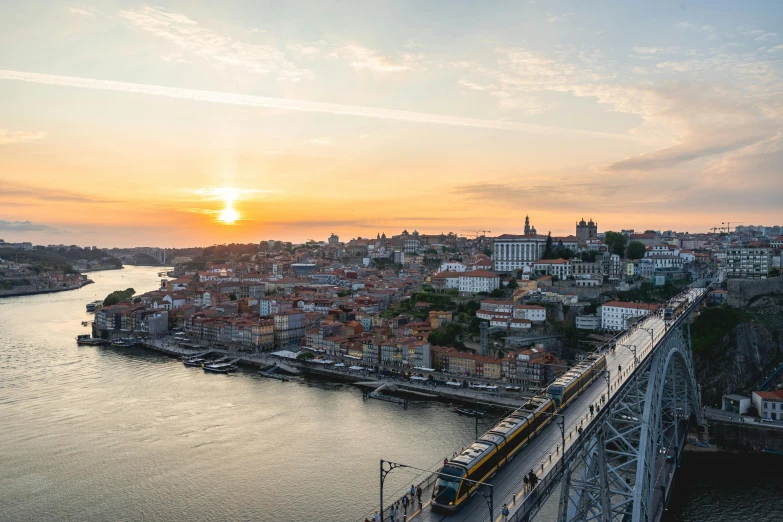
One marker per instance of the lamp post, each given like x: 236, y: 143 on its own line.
x: 650, y: 331
x: 633, y: 349
x: 560, y: 418
x: 387, y: 466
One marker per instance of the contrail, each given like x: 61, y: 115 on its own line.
x: 296, y: 105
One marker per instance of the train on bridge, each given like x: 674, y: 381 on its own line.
x: 457, y: 479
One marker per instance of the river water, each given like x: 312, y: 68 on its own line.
x: 91, y: 433
x: 94, y: 434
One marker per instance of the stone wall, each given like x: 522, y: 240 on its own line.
x: 745, y: 437
x: 743, y: 290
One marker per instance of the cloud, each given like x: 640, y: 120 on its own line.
x: 11, y: 190
x: 299, y: 105
x: 360, y: 57
x: 7, y: 136
x: 321, y: 141
x: 26, y: 226
x: 307, y: 50
x: 190, y: 37
x: 82, y: 11
x: 560, y: 17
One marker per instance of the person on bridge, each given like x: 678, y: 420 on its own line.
x: 404, y: 505
x: 527, y: 483
x: 376, y: 517
x: 418, y: 494
x: 412, y: 492
x: 504, y: 513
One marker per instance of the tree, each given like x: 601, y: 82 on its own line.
x: 487, y: 252
x: 497, y: 292
x: 650, y: 232
x: 548, y: 253
x: 616, y: 243
x: 305, y: 356
x: 512, y: 285
x: 775, y: 272
x: 636, y: 250
x: 232, y: 296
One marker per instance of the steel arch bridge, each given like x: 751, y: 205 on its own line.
x: 621, y: 467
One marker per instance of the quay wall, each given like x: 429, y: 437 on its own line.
x: 745, y: 437
x: 11, y: 293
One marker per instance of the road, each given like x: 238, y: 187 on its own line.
x: 545, y: 449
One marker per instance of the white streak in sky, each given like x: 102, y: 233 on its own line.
x: 296, y: 105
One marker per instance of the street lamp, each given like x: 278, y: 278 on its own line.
x: 388, y: 466
x: 650, y: 331
x: 633, y: 349
x: 560, y: 424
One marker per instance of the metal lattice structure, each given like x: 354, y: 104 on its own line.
x: 615, y: 472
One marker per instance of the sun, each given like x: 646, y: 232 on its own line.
x: 228, y: 215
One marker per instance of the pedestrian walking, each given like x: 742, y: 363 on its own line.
x: 397, y: 510
x: 527, y: 483
x: 391, y: 513
x: 504, y: 513
x: 418, y: 494
x: 376, y: 517
x: 412, y: 492
x: 404, y: 504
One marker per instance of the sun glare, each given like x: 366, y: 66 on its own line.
x: 228, y: 215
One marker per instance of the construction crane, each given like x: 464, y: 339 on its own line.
x: 478, y: 233
x: 728, y: 224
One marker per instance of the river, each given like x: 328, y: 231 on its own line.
x: 94, y: 434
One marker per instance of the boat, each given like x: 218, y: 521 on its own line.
x: 220, y: 368
x: 272, y: 375
x: 467, y: 412
x: 88, y: 340
x: 91, y: 307
x: 197, y: 362
x: 123, y: 343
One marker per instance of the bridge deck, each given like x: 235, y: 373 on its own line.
x: 536, y: 455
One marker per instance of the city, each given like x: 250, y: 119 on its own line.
x: 391, y: 261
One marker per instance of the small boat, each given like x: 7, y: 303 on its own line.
x: 198, y: 362
x: 123, y: 343
x: 90, y: 307
x: 272, y: 375
x: 87, y: 340
x: 467, y: 412
x: 220, y: 368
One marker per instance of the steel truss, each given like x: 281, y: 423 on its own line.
x: 612, y: 476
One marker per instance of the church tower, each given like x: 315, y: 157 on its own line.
x: 527, y: 225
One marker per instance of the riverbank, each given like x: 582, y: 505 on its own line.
x: 11, y: 293
x: 362, y: 379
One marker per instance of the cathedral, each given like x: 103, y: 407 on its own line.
x: 528, y: 229
x: 586, y: 231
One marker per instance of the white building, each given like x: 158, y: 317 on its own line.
x: 588, y: 322
x: 512, y: 252
x: 554, y: 267
x: 615, y: 314
x: 452, y: 266
x: 533, y: 313
x: 769, y: 404
x: 478, y: 281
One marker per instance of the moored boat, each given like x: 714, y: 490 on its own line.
x: 467, y: 412
x: 87, y: 340
x: 220, y: 368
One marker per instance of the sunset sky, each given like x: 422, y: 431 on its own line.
x: 125, y: 123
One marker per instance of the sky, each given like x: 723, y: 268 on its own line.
x: 192, y: 123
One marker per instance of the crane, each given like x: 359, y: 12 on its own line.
x: 478, y: 233
x: 728, y: 224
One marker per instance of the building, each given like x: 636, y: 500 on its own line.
x: 554, y: 267
x: 769, y: 404
x: 533, y: 313
x: 748, y: 262
x: 736, y: 404
x: 289, y: 328
x: 588, y: 322
x: 477, y: 281
x: 586, y: 231
x: 615, y: 314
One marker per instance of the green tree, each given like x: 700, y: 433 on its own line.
x: 497, y: 292
x: 616, y: 243
x: 548, y: 252
x: 512, y: 285
x: 232, y: 296
x: 305, y: 356
x: 775, y: 272
x: 487, y: 252
x: 636, y: 250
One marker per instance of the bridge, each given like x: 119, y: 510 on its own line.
x: 611, y: 454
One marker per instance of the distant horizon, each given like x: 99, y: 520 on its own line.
x: 345, y: 239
